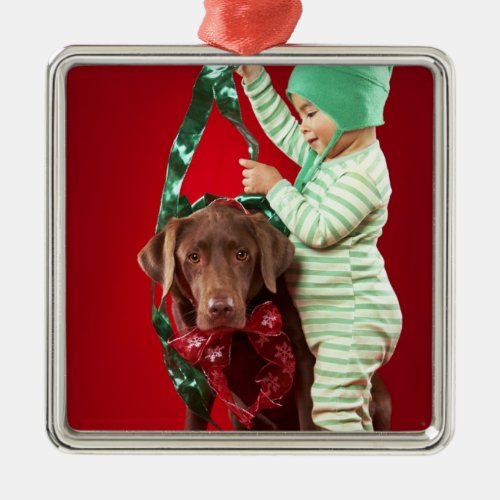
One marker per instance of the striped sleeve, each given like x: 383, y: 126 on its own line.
x: 275, y: 118
x: 340, y: 210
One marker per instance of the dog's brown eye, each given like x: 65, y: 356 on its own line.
x: 242, y: 255
x: 194, y: 258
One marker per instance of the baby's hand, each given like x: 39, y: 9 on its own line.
x: 249, y: 72
x: 259, y: 178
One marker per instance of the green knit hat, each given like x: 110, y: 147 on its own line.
x: 353, y: 96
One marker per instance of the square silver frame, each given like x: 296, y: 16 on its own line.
x: 432, y: 439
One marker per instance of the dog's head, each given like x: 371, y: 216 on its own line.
x: 218, y: 258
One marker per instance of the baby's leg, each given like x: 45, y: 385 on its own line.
x: 341, y: 389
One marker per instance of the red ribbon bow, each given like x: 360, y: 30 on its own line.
x: 249, y: 26
x: 211, y: 351
x: 230, y: 202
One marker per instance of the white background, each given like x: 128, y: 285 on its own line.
x: 31, y: 32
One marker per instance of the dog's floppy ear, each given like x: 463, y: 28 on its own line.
x: 276, y: 250
x: 157, y: 258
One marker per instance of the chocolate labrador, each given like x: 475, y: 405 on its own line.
x: 218, y: 264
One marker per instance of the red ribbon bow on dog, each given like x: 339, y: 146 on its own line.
x: 211, y: 351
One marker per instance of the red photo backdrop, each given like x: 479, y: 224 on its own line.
x: 121, y: 122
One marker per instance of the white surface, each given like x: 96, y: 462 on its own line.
x: 30, y: 33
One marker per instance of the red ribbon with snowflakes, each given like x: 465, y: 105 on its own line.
x: 211, y: 350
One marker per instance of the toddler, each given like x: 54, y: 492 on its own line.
x: 335, y: 212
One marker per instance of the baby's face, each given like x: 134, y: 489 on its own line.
x: 317, y: 127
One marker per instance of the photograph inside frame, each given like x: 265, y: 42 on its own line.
x: 249, y: 248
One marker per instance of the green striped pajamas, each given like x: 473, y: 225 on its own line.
x: 350, y: 314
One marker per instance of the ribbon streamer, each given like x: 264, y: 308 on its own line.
x: 213, y: 83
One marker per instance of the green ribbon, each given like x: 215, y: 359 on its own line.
x: 213, y: 83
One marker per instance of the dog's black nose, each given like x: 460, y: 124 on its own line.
x: 221, y: 307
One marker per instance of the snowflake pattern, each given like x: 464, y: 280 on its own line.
x: 216, y: 377
x: 196, y: 341
x: 271, y: 383
x: 284, y: 353
x: 269, y: 319
x: 214, y: 352
x: 261, y: 340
